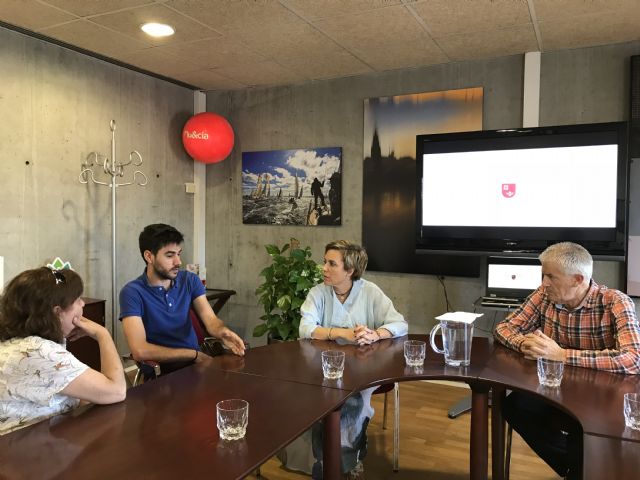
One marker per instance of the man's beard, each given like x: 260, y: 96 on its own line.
x: 164, y: 274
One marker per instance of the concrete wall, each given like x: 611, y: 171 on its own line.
x: 56, y: 106
x: 577, y: 86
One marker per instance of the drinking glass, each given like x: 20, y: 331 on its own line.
x: 414, y: 352
x: 332, y: 364
x: 632, y: 410
x: 232, y: 416
x: 550, y: 372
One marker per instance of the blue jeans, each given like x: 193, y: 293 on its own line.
x: 350, y: 417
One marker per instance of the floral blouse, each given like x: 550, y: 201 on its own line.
x: 33, y: 371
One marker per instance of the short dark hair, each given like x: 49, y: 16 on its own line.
x: 156, y: 236
x: 353, y: 256
x: 26, y: 306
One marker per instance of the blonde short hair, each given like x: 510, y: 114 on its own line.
x: 574, y: 259
x: 353, y: 256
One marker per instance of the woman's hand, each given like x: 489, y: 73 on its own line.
x: 83, y: 327
x: 365, y: 336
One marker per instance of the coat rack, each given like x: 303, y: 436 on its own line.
x: 112, y: 168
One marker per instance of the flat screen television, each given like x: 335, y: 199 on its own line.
x: 519, y: 190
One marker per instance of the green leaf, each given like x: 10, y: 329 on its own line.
x: 298, y: 254
x: 303, y: 285
x: 296, y: 303
x: 272, y: 250
x: 284, y: 331
x: 260, y: 330
x: 265, y: 271
x: 284, y: 302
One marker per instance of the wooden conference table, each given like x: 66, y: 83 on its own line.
x: 166, y: 428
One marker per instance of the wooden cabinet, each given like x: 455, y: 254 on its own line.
x: 86, y: 349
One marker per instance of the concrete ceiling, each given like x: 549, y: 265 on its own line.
x: 236, y: 44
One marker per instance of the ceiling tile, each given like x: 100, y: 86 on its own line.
x: 404, y: 42
x: 487, y: 44
x: 93, y: 37
x: 596, y: 29
x: 261, y: 74
x: 31, y: 15
x: 406, y: 54
x: 548, y: 10
x: 330, y: 65
x: 83, y: 8
x: 129, y: 22
x: 317, y: 9
x: 372, y: 30
x: 446, y: 17
x: 215, y: 52
x: 227, y: 15
x: 294, y: 39
x: 208, y: 79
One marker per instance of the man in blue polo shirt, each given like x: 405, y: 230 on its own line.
x: 154, y: 308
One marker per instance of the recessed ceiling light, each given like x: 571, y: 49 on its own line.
x: 157, y: 29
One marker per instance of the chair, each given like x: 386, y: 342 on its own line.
x: 139, y: 374
x: 386, y: 388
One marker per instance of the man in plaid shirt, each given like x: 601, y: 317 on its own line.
x: 572, y: 319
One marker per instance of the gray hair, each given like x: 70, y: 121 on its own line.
x: 574, y: 259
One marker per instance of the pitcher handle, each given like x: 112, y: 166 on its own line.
x: 432, y: 338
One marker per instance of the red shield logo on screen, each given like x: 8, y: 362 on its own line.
x: 508, y: 190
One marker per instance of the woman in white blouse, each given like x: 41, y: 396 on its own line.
x: 347, y: 308
x: 39, y: 310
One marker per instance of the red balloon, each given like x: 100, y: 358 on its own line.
x: 207, y: 137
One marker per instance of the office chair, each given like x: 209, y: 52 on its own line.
x: 386, y: 388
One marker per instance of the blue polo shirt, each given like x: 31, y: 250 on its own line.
x: 164, y: 313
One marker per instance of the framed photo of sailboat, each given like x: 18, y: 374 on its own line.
x: 292, y: 187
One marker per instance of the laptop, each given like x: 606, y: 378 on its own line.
x: 510, y: 280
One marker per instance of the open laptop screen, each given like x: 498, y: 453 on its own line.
x: 512, y: 277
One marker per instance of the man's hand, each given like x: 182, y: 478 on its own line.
x: 232, y: 341
x: 537, y: 344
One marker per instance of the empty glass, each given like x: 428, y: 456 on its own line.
x: 550, y: 372
x: 414, y: 352
x: 233, y: 417
x: 632, y: 410
x: 332, y: 364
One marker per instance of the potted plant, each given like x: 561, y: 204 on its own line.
x: 287, y: 281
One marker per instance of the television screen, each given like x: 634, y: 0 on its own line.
x: 522, y: 189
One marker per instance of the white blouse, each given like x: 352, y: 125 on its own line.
x: 33, y: 371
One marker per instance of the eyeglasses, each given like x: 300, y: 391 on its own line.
x: 59, y: 277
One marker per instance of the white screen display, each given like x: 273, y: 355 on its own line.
x: 518, y: 277
x: 568, y: 187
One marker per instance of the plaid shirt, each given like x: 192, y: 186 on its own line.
x: 601, y: 333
